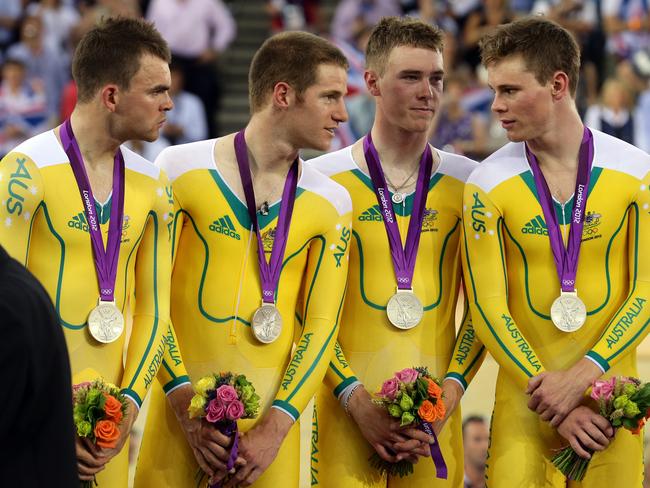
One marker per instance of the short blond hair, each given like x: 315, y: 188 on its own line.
x: 392, y: 32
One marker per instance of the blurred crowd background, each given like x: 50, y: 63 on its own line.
x: 213, y: 41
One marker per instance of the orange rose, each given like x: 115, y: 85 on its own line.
x: 639, y: 427
x: 433, y: 389
x: 427, y: 411
x: 113, y: 408
x: 106, y: 434
x: 440, y: 410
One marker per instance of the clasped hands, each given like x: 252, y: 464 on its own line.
x: 556, y: 396
x: 383, y: 432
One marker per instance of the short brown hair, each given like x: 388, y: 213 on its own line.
x: 290, y: 57
x: 392, y: 32
x: 111, y: 53
x: 545, y: 47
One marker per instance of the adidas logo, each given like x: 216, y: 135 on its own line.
x: 224, y: 226
x: 535, y: 226
x: 373, y: 214
x: 79, y: 222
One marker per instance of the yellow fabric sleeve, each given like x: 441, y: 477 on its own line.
x: 629, y: 326
x: 485, y: 275
x: 151, y: 315
x: 324, y: 294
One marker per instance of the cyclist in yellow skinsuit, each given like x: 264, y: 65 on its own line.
x: 44, y: 224
x: 511, y: 276
x: 370, y: 349
x: 216, y: 284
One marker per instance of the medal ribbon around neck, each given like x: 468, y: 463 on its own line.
x: 269, y: 272
x: 105, y: 259
x: 403, y: 257
x: 566, y: 258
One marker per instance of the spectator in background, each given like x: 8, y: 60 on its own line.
x: 583, y: 19
x: 613, y: 115
x: 627, y: 23
x: 481, y: 21
x: 455, y: 129
x: 58, y: 20
x: 186, y: 121
x: 41, y: 61
x: 358, y: 102
x: 294, y: 15
x: 23, y: 109
x: 353, y: 16
x: 476, y: 437
x: 10, y: 12
x: 635, y: 73
x: 197, y: 31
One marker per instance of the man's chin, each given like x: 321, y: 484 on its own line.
x: 150, y: 137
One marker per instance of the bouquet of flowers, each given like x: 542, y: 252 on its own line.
x: 415, y: 398
x: 222, y: 399
x: 98, y: 409
x: 625, y: 402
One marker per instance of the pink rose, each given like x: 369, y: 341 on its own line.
x: 407, y: 375
x: 216, y: 411
x: 235, y: 410
x: 603, y: 389
x: 227, y: 394
x: 390, y: 388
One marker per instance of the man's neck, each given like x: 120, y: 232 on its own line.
x: 476, y: 476
x: 94, y: 136
x: 396, y: 146
x: 559, y: 146
x: 269, y: 147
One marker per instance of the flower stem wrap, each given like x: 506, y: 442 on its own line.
x: 229, y: 428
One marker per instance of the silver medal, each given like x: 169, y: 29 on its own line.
x: 404, y: 309
x: 568, y: 312
x: 105, y: 322
x: 267, y: 323
x: 397, y: 198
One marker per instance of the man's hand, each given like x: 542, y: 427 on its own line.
x: 452, y: 392
x: 391, y: 442
x: 259, y: 447
x: 211, y: 448
x: 585, y: 429
x: 553, y: 394
x: 89, y: 461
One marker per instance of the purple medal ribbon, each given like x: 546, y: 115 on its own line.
x: 436, y: 453
x: 105, y: 259
x: 566, y: 258
x: 403, y: 257
x: 269, y: 272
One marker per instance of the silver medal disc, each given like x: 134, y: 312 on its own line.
x: 105, y: 322
x: 397, y: 198
x: 404, y: 309
x: 568, y: 312
x: 267, y: 323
